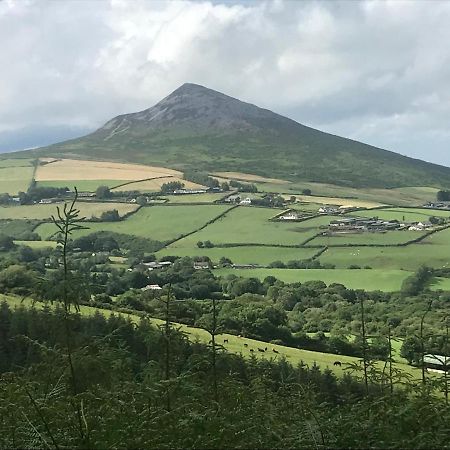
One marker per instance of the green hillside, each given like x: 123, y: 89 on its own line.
x: 198, y: 128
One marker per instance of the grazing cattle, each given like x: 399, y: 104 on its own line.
x: 252, y: 350
x: 261, y: 350
x: 245, y: 345
x: 265, y: 349
x: 225, y: 341
x: 275, y: 351
x: 337, y: 363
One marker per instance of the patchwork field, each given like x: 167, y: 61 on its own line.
x: 37, y: 245
x: 242, y: 254
x: 370, y: 280
x: 15, y: 175
x: 244, y: 225
x: 72, y: 169
x: 195, y: 198
x: 350, y: 202
x: 42, y: 212
x: 248, y: 177
x: 161, y: 223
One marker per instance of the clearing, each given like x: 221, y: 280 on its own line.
x: 15, y: 175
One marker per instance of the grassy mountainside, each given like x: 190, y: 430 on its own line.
x: 196, y: 127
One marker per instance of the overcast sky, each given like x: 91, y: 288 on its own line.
x: 375, y: 71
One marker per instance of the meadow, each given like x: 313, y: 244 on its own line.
x: 37, y: 245
x: 154, y: 185
x: 81, y: 185
x: 370, y: 280
x: 161, y: 223
x: 15, y: 175
x: 388, y: 238
x: 405, y: 214
x: 209, y: 197
x: 45, y: 211
x: 244, y: 225
x: 242, y: 254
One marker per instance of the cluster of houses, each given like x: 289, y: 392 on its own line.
x: 437, y: 205
x: 157, y: 265
x: 238, y: 199
x: 364, y: 224
x: 334, y: 210
x: 189, y: 191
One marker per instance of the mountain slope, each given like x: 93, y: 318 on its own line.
x: 198, y: 128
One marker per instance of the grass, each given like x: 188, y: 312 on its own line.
x: 45, y: 211
x: 81, y: 185
x: 71, y: 169
x: 388, y: 238
x: 16, y: 162
x: 245, y: 225
x: 235, y: 344
x: 433, y: 251
x: 161, y: 223
x: 14, y: 179
x: 370, y: 280
x: 155, y: 185
x: 442, y: 284
x: 405, y: 214
x: 242, y: 255
x: 195, y: 198
x: 37, y: 245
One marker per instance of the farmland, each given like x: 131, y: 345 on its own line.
x: 42, y: 212
x: 81, y: 185
x: 15, y: 175
x: 405, y: 214
x: 154, y: 185
x: 371, y: 280
x: 161, y: 223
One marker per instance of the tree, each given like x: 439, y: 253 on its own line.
x: 6, y: 243
x: 225, y: 186
x: 171, y: 186
x: 141, y: 200
x: 306, y: 192
x: 110, y: 216
x: 103, y: 192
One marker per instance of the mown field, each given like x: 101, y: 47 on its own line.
x: 235, y: 344
x: 242, y: 254
x: 45, y: 211
x: 155, y: 184
x: 15, y: 175
x: 161, y: 223
x: 37, y: 245
x: 81, y: 185
x: 370, y: 280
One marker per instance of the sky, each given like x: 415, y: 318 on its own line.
x: 374, y: 71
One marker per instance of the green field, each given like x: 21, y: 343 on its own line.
x: 81, y: 185
x: 195, y: 198
x: 242, y: 254
x: 161, y: 223
x: 37, y: 245
x: 406, y: 214
x: 440, y: 284
x: 245, y: 225
x: 370, y: 280
x: 235, y: 344
x: 15, y: 175
x: 433, y: 251
x: 45, y: 211
x: 388, y: 238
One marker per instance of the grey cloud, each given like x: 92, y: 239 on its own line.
x: 374, y: 71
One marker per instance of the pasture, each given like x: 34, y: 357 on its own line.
x: 236, y: 345
x: 350, y: 202
x: 161, y: 223
x: 405, y: 214
x: 244, y: 225
x: 248, y: 177
x: 15, y: 175
x: 433, y: 251
x: 72, y: 169
x: 368, y: 238
x: 442, y: 284
x: 195, y: 198
x: 241, y: 254
x: 37, y: 245
x: 45, y: 211
x: 370, y: 280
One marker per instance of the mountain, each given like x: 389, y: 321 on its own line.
x: 199, y: 128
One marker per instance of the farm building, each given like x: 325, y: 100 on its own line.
x: 329, y: 209
x: 198, y: 265
x: 246, y: 201
x: 157, y: 265
x: 289, y: 216
x: 151, y: 287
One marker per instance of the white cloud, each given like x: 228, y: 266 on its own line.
x: 374, y: 71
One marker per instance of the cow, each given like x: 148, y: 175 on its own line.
x: 337, y: 363
x: 252, y: 350
x: 245, y: 345
x: 225, y: 341
x: 275, y: 351
x: 261, y: 350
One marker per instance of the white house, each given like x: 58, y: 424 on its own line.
x: 246, y: 201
